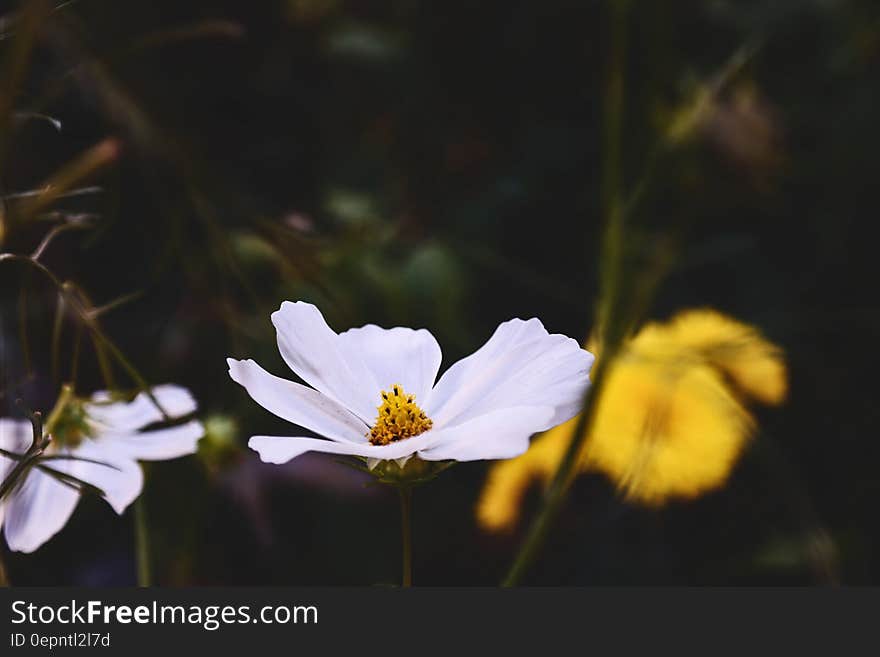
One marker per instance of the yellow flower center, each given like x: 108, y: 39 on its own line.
x: 399, y: 417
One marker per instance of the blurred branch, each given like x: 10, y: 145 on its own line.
x: 57, y: 230
x: 58, y: 457
x: 104, y: 346
x: 64, y: 398
x: 9, y: 21
x: 102, y: 342
x: 74, y: 359
x: 611, y: 262
x: 142, y: 543
x: 72, y: 482
x: 37, y: 192
x: 28, y: 21
x: 119, y: 106
x: 22, y: 324
x: 95, y: 78
x: 61, y: 182
x: 37, y: 116
x: 611, y: 256
x: 39, y: 443
x: 94, y: 313
x: 207, y: 29
x: 624, y: 292
x: 57, y: 326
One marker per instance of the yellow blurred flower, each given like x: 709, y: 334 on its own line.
x: 671, y: 420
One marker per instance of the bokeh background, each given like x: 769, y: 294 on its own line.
x: 440, y: 164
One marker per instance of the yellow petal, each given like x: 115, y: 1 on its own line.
x: 753, y: 364
x: 499, y: 504
x: 665, y: 429
x: 671, y: 420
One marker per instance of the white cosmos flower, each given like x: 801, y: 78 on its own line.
x: 374, y: 395
x: 104, y: 432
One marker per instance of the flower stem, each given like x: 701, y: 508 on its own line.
x: 406, y: 532
x: 560, y: 484
x: 38, y: 444
x: 55, y: 414
x: 142, y: 543
x: 610, y: 312
x: 4, y: 579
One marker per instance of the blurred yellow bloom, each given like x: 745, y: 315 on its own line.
x: 753, y: 366
x: 671, y: 420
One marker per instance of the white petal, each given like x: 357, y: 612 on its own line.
x: 37, y: 511
x: 116, y: 473
x: 520, y: 365
x: 500, y: 434
x: 312, y: 350
x: 281, y: 449
x: 297, y: 403
x: 497, y: 435
x: 175, y: 400
x: 160, y: 444
x: 397, y: 355
x: 16, y: 437
x: 42, y: 505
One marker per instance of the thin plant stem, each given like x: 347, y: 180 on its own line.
x: 65, y: 179
x: 104, y: 347
x: 611, y: 326
x: 64, y: 398
x: 57, y: 327
x: 4, y: 578
x: 15, y: 64
x: 74, y: 360
x: 617, y: 311
x: 105, y: 350
x: 22, y: 322
x: 142, y: 543
x: 562, y: 480
x: 612, y: 256
x: 38, y: 444
x: 406, y: 533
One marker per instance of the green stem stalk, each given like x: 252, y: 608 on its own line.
x: 55, y: 414
x: 611, y: 325
x: 22, y: 323
x: 4, y: 578
x: 142, y: 543
x: 38, y: 444
x: 619, y: 306
x: 612, y: 255
x: 406, y: 532
x: 562, y: 480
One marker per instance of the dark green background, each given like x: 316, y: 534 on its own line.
x: 439, y: 164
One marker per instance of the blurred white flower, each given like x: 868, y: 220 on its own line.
x: 97, y: 442
x: 373, y: 393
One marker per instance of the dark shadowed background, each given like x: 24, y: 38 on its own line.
x: 439, y: 164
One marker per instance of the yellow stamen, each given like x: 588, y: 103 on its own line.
x: 399, y: 417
